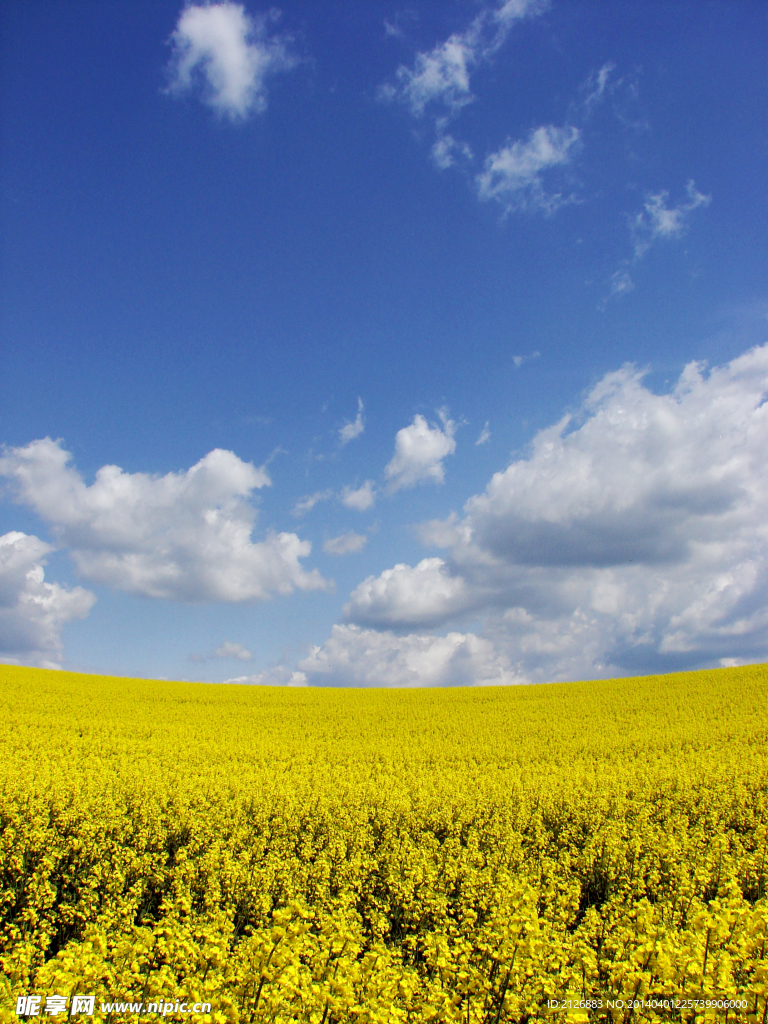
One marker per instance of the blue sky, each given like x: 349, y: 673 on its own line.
x: 383, y: 344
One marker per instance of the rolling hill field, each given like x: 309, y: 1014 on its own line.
x: 580, y: 851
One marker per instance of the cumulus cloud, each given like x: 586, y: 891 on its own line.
x: 632, y: 480
x: 229, y: 55
x: 361, y: 498
x: 347, y: 544
x: 352, y: 430
x: 632, y: 537
x: 366, y: 657
x: 33, y: 612
x: 514, y: 174
x: 184, y: 536
x: 407, y: 597
x: 419, y: 453
x: 442, y: 75
x: 308, y: 502
x: 658, y: 220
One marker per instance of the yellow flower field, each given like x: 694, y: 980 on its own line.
x: 570, y: 852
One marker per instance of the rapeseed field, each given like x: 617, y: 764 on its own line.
x: 570, y: 852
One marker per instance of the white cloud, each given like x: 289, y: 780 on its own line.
x: 657, y: 220
x: 447, y: 150
x: 419, y: 453
x: 485, y: 434
x: 631, y: 481
x: 184, y: 536
x: 404, y: 596
x: 621, y: 283
x: 623, y: 93
x: 442, y: 75
x: 232, y: 650
x: 225, y: 650
x: 361, y: 498
x: 392, y: 29
x: 308, y: 502
x: 230, y: 54
x: 440, y: 81
x: 632, y: 538
x: 352, y: 430
x: 347, y: 544
x: 596, y: 86
x: 33, y: 612
x: 277, y: 676
x: 513, y: 175
x: 519, y: 360
x: 365, y: 657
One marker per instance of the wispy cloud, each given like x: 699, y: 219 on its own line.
x: 354, y: 429
x: 514, y: 174
x: 620, y: 92
x: 446, y: 150
x: 621, y: 282
x: 519, y: 360
x: 308, y: 502
x: 224, y: 651
x: 442, y: 76
x: 658, y: 220
x: 231, y: 650
x: 347, y: 544
x: 596, y: 86
x: 485, y: 434
x: 439, y: 83
x: 440, y: 80
x: 228, y: 56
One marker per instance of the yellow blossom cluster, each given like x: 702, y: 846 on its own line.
x: 572, y: 852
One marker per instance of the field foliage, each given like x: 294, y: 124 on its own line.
x: 327, y: 856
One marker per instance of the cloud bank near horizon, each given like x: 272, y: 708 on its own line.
x: 631, y: 537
